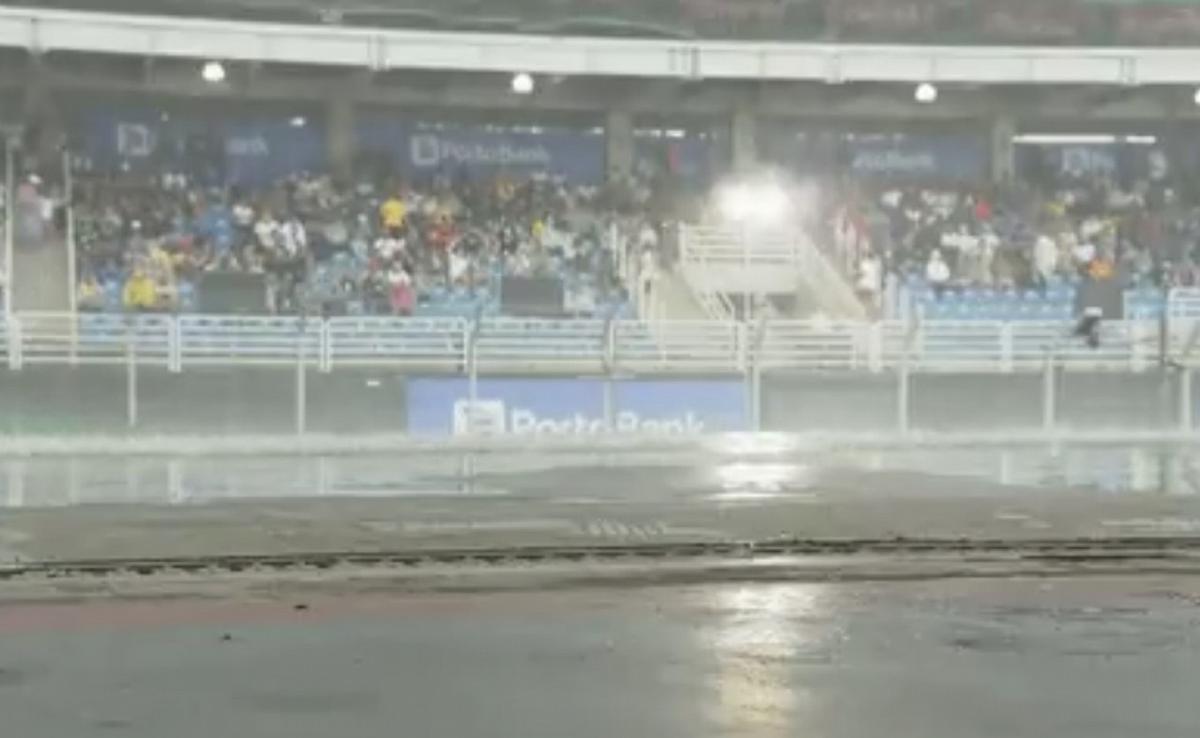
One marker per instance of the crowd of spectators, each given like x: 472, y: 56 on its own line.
x: 1017, y: 237
x: 363, y: 247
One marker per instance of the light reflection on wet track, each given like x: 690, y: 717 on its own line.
x: 594, y: 477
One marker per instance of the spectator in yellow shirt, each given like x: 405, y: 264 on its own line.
x: 392, y: 213
x: 140, y: 294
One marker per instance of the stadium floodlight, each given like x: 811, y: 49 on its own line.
x: 736, y: 201
x: 926, y: 93
x: 213, y: 72
x: 298, y: 122
x: 753, y: 202
x: 522, y: 83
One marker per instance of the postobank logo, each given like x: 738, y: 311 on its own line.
x: 427, y: 150
x: 568, y: 407
x: 893, y: 160
x: 492, y: 417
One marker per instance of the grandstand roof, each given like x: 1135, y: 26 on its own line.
x: 1098, y: 22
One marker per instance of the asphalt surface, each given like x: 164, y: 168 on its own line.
x: 54, y: 508
x: 930, y: 645
x: 1094, y: 658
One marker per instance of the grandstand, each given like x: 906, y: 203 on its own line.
x: 992, y: 164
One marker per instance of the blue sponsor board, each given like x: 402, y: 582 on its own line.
x: 1124, y: 162
x: 252, y: 149
x: 907, y: 156
x: 691, y: 158
x: 441, y: 406
x: 918, y: 156
x: 577, y: 156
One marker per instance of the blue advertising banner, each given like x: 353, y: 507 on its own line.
x: 911, y: 156
x: 219, y: 149
x: 441, y: 406
x: 690, y: 158
x: 475, y: 151
x: 918, y: 156
x: 1122, y: 161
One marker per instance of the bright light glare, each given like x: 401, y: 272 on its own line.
x: 761, y: 203
x: 1196, y: 97
x: 926, y: 93
x: 213, y: 71
x: 298, y: 121
x: 736, y: 201
x: 522, y: 83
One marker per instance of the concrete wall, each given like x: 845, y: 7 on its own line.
x: 262, y: 400
x: 969, y: 402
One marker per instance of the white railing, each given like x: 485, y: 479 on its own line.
x: 588, y: 346
x: 435, y: 344
x: 1184, y: 302
x: 713, y: 246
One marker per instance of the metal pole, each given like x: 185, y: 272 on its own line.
x: 1185, y: 400
x: 472, y: 377
x: 747, y: 310
x: 610, y: 411
x: 1049, y: 398
x: 68, y: 194
x: 10, y: 216
x: 131, y: 403
x: 756, y: 397
x: 902, y: 390
x: 301, y: 382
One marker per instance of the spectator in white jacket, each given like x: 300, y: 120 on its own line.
x: 937, y: 273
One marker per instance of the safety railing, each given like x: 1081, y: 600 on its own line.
x: 1184, y: 302
x: 435, y: 344
x: 820, y: 344
x: 679, y: 346
x: 514, y: 344
x: 61, y: 338
x: 208, y: 340
x: 728, y: 246
x: 589, y: 346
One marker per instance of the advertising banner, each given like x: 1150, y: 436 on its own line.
x: 918, y: 156
x: 479, y: 152
x: 229, y: 148
x: 441, y: 406
x: 907, y: 156
x: 689, y: 158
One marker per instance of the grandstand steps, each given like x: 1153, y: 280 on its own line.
x: 672, y: 299
x: 823, y: 289
x: 40, y: 277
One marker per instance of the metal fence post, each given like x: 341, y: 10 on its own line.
x: 1049, y: 395
x: 472, y: 348
x: 301, y: 381
x: 610, y: 378
x: 174, y: 345
x: 325, y: 348
x: 1185, y: 400
x: 15, y: 339
x: 72, y: 264
x: 902, y: 391
x: 131, y: 399
x: 1006, y: 347
x: 9, y: 224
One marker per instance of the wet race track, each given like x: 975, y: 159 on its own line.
x: 837, y: 649
x: 1077, y: 658
x: 120, y: 506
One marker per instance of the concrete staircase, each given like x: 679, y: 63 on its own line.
x: 722, y: 268
x: 672, y: 299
